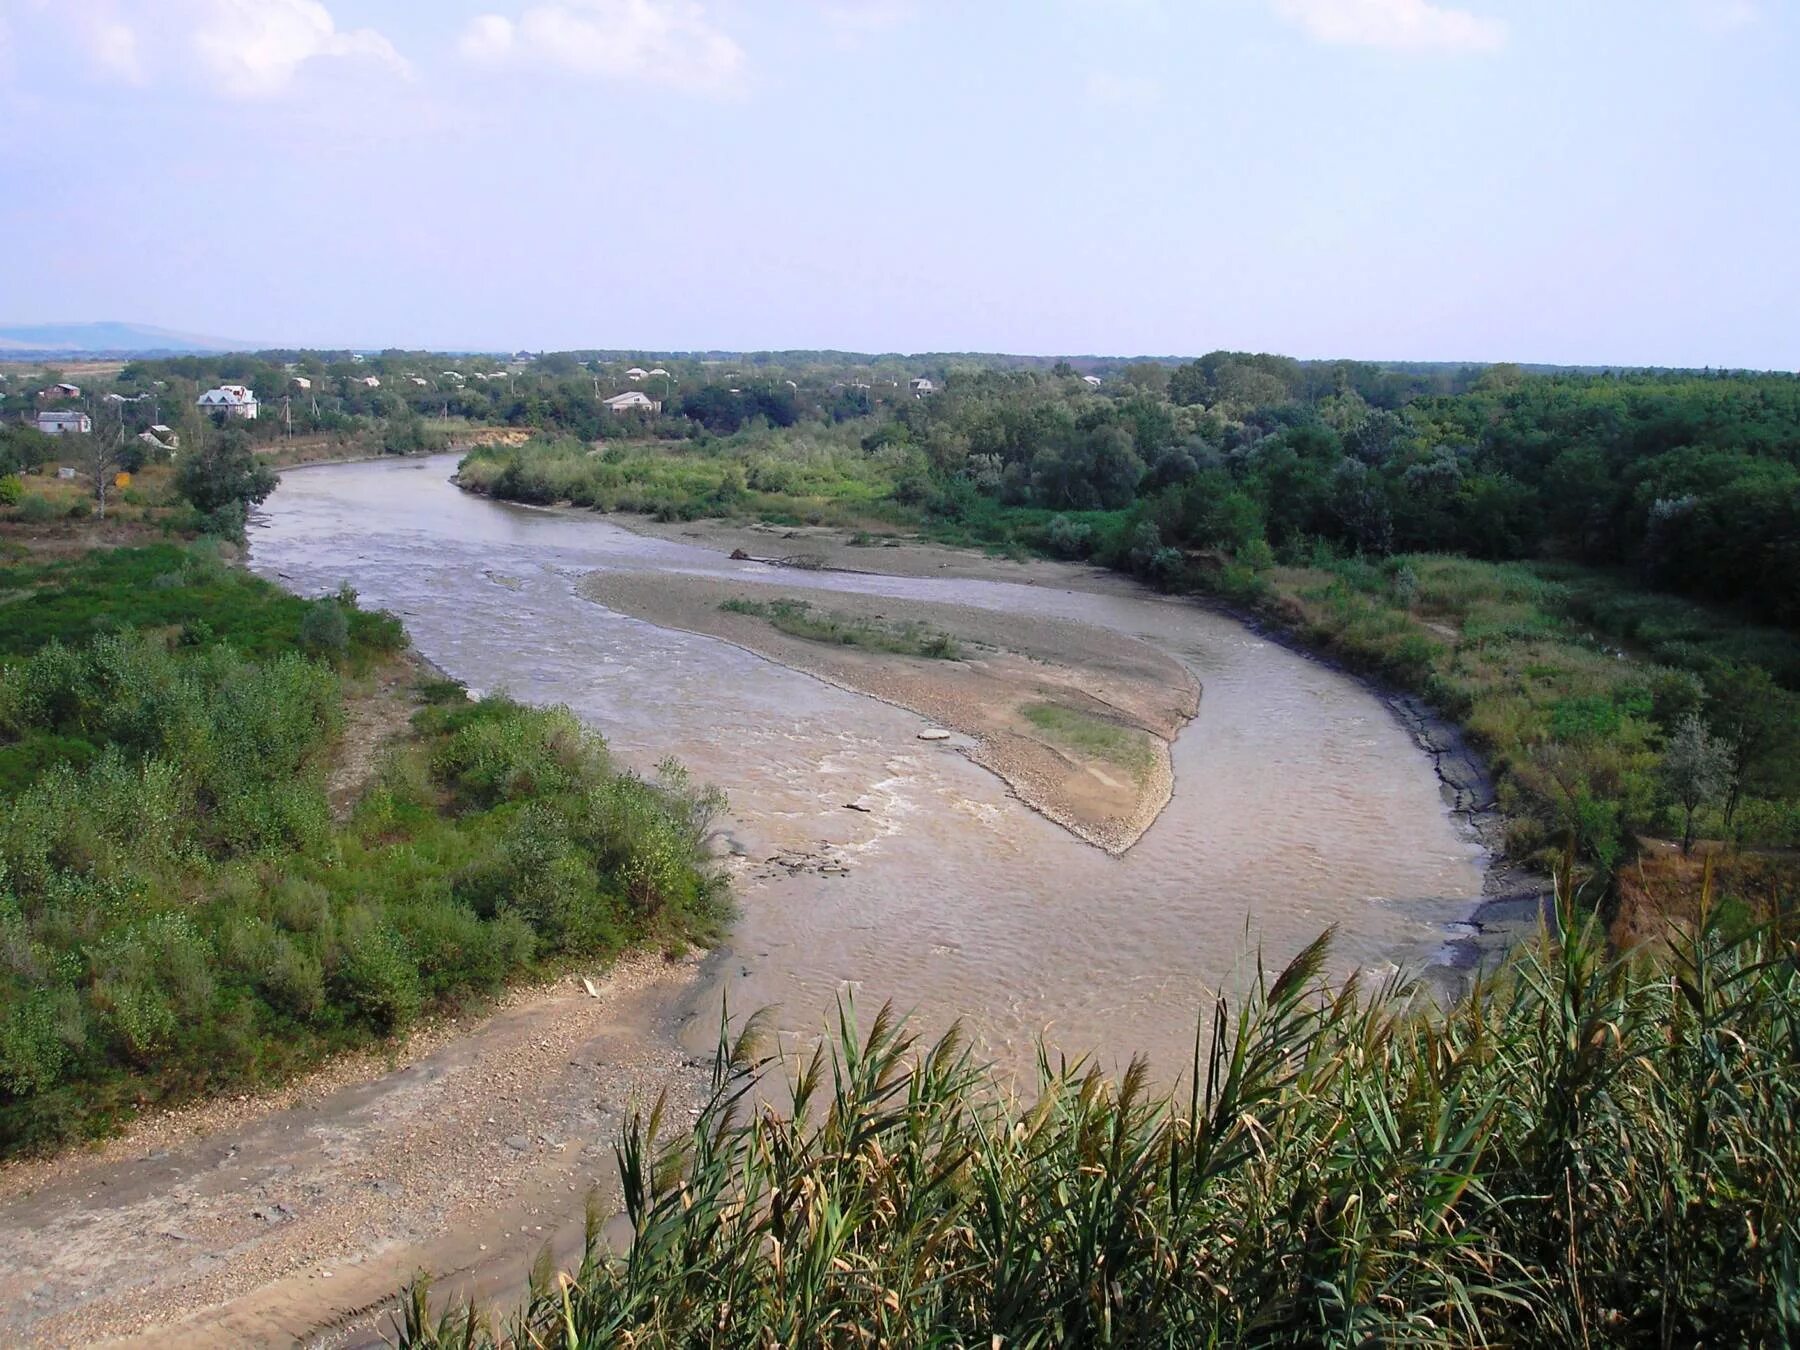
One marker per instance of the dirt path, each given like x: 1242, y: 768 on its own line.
x: 378, y: 710
x: 296, y: 1217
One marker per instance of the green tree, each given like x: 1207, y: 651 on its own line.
x: 1696, y: 768
x: 224, y: 479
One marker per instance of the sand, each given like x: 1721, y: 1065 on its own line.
x: 1136, y: 694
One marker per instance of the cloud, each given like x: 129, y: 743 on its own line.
x: 854, y: 21
x: 1112, y: 89
x: 105, y: 41
x: 1402, y: 25
x: 113, y: 48
x: 667, y: 42
x: 489, y: 37
x: 1726, y: 16
x: 253, y: 48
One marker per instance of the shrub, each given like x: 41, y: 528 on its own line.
x: 35, y: 509
x: 325, y: 631
x: 373, y: 973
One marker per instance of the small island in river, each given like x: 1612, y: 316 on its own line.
x: 1077, y: 722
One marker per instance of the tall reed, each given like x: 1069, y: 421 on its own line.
x: 1588, y: 1150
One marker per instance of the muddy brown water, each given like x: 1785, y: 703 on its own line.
x: 1300, y: 801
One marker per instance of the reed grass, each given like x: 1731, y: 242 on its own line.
x: 1589, y: 1150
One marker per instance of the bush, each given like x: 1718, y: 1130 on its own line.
x: 178, y: 912
x: 325, y: 631
x: 35, y: 509
x: 12, y: 488
x: 373, y: 973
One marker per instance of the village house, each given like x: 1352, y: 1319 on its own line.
x: 160, y: 437
x: 658, y: 370
x: 922, y: 387
x: 454, y: 376
x: 635, y: 400
x: 232, y: 400
x: 64, y: 423
x: 58, y: 392
x: 420, y: 380
x: 369, y: 381
x: 301, y: 382
x: 1092, y: 380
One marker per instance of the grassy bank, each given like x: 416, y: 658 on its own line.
x: 179, y: 911
x: 1571, y: 684
x: 1589, y: 1152
x: 798, y: 618
x: 1572, y: 680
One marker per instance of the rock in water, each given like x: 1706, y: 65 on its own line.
x: 934, y: 734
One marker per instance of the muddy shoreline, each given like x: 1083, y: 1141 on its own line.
x: 296, y: 1216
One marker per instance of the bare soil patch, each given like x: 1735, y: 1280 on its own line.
x: 296, y: 1215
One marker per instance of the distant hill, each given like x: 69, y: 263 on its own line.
x: 107, y: 339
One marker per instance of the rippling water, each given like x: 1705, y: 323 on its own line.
x: 1299, y: 803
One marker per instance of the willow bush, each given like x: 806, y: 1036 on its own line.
x: 1590, y: 1150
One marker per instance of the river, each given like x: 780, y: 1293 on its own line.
x: 1300, y: 800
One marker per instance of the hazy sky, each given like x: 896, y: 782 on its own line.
x: 1542, y: 180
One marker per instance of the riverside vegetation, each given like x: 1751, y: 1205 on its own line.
x: 180, y: 913
x: 1588, y: 1151
x: 1580, y: 568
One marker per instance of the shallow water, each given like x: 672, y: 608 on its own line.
x: 1300, y: 802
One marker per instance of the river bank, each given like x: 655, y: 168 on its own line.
x: 1299, y: 802
x: 319, y: 1154
x: 1516, y: 901
x: 295, y: 1216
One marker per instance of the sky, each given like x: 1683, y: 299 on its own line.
x: 1572, y: 181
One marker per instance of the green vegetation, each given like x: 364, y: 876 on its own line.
x: 1590, y: 1151
x: 1568, y: 564
x: 1549, y: 670
x: 1096, y: 737
x: 179, y: 911
x: 798, y: 618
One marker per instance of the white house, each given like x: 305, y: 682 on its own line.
x: 369, y: 381
x: 636, y: 373
x: 233, y: 400
x: 454, y: 376
x: 923, y: 386
x: 1091, y: 380
x: 658, y: 370
x: 632, y: 401
x: 420, y: 380
x: 64, y: 423
x: 301, y: 382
